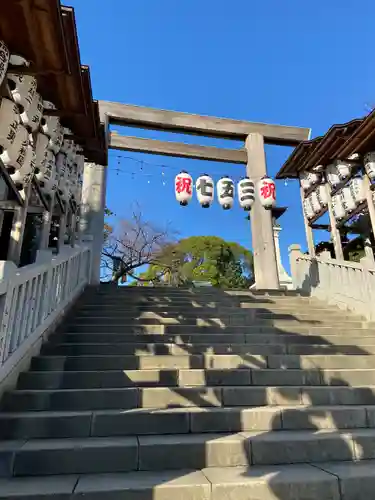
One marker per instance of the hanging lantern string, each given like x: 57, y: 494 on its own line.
x: 119, y: 169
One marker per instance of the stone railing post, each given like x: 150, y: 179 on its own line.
x: 294, y: 254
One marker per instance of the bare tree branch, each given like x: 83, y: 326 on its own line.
x: 134, y: 243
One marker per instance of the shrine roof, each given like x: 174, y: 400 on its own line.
x: 44, y: 32
x: 340, y: 142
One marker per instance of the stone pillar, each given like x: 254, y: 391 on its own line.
x: 265, y: 264
x: 284, y: 279
x: 294, y: 254
x: 92, y: 213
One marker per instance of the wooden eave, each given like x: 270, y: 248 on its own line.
x: 318, y: 151
x: 46, y: 35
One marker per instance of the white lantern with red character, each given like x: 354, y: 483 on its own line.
x: 183, y: 186
x: 225, y: 192
x: 246, y: 193
x: 267, y: 192
x: 205, y: 190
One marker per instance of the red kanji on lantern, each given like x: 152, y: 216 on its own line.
x: 183, y: 188
x: 268, y: 189
x: 183, y: 184
x: 267, y: 192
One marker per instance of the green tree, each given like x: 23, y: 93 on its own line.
x: 203, y: 258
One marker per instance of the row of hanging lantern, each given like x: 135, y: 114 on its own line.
x: 344, y: 201
x: 225, y: 188
x: 32, y: 143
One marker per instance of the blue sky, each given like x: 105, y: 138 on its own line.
x: 296, y: 63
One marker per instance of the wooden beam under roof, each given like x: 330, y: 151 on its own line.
x: 177, y: 149
x: 158, y: 119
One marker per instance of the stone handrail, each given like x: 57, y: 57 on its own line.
x: 348, y: 285
x: 33, y: 298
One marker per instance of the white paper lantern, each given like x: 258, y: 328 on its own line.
x: 15, y: 155
x: 9, y: 121
x: 348, y: 199
x: 50, y: 124
x: 205, y: 190
x: 41, y: 151
x: 62, y: 173
x: 49, y: 183
x: 305, y: 181
x: 322, y: 195
x: 183, y: 184
x: 357, y: 189
x: 343, y: 169
x: 267, y: 192
x: 225, y: 192
x: 307, y: 208
x: 4, y: 60
x: 338, y: 207
x: 314, y: 178
x: 333, y: 177
x: 24, y: 174
x: 55, y: 142
x: 315, y: 202
x: 246, y: 193
x: 32, y: 117
x: 369, y: 164
x: 23, y: 88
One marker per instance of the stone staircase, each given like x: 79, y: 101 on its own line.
x: 162, y: 394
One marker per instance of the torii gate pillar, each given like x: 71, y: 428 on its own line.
x: 264, y: 251
x: 92, y: 213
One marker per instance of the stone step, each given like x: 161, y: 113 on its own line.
x: 326, y: 481
x: 70, y: 456
x: 103, y: 315
x: 183, y: 451
x: 44, y: 424
x: 163, y: 397
x: 133, y: 378
x: 309, y: 364
x: 238, y: 354
x: 220, y: 343
x: 196, y: 306
x: 196, y: 451
x: 217, y: 328
x: 237, y: 319
x: 86, y: 347
x: 162, y: 348
x: 224, y: 371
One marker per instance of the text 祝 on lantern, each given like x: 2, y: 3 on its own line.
x: 268, y: 190
x: 183, y: 184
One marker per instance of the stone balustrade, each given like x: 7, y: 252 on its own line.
x: 348, y: 285
x: 32, y: 301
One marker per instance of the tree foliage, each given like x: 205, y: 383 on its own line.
x: 135, y: 242
x: 203, y: 258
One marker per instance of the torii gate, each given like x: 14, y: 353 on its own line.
x: 255, y: 135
